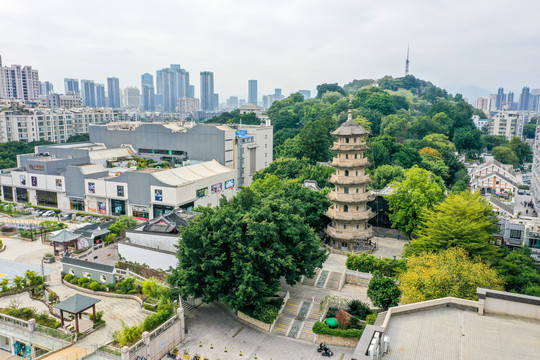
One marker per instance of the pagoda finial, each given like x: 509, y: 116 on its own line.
x: 350, y: 108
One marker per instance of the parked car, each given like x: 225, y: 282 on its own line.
x: 48, y: 213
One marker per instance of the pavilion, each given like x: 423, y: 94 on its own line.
x: 66, y: 238
x: 76, y: 305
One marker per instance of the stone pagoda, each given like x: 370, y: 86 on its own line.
x: 349, y: 214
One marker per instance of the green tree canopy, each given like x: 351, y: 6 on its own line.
x: 382, y: 291
x: 79, y: 138
x: 505, y: 155
x: 522, y: 149
x: 519, y: 272
x: 462, y: 220
x: 238, y: 251
x: 323, y: 88
x: 331, y: 97
x: 385, y: 174
x: 450, y: 272
x: 297, y: 169
x: 418, y: 192
x: 395, y: 126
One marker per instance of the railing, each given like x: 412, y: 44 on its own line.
x: 14, y: 321
x: 110, y: 350
x: 139, y: 344
x: 167, y: 324
x: 128, y: 273
x: 57, y: 334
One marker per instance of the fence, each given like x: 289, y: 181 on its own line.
x: 14, y: 321
x: 57, y: 334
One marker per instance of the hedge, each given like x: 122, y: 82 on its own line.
x: 323, y: 329
x: 368, y: 263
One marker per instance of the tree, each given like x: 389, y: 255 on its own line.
x: 462, y: 220
x: 467, y: 139
x: 238, y: 251
x: 418, y: 192
x: 395, y: 126
x: 519, y: 272
x: 491, y: 141
x: 323, y: 88
x: 356, y: 85
x: 383, y: 291
x: 522, y: 149
x: 331, y: 97
x: 79, y: 138
x: 297, y: 169
x: 450, y: 272
x: 529, y: 130
x: 505, y: 155
x: 385, y: 174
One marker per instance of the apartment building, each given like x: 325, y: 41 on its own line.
x: 18, y: 82
x: 506, y: 123
x: 535, y: 171
x: 55, y: 125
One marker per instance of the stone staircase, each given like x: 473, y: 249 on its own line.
x: 311, y: 282
x: 314, y: 316
x: 333, y: 281
x: 283, y: 323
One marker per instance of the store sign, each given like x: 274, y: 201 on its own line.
x: 229, y: 184
x: 158, y: 195
x: 59, y: 184
x: 101, y: 207
x: 202, y: 192
x: 91, y: 188
x: 216, y: 188
x: 33, y: 180
x: 119, y: 191
x: 36, y: 167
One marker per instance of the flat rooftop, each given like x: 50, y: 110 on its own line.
x: 449, y: 333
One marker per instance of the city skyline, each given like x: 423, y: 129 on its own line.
x: 370, y: 42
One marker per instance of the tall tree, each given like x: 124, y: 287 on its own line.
x: 382, y: 291
x: 519, y: 272
x: 462, y: 220
x: 418, y: 192
x: 385, y: 174
x: 450, y: 272
x: 237, y: 252
x: 505, y: 155
x: 323, y: 88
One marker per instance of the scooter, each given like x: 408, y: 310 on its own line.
x: 322, y: 347
x: 327, y: 352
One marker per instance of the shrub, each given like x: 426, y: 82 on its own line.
x: 74, y: 281
x: 343, y: 319
x: 68, y: 277
x: 127, y: 335
x: 83, y: 282
x: 53, y: 297
x: 370, y: 319
x: 332, y: 311
x: 358, y: 308
x: 266, y: 313
x: 94, y: 286
x: 323, y: 329
x: 368, y: 263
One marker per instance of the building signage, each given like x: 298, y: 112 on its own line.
x: 59, y: 184
x: 216, y: 188
x: 229, y: 184
x: 91, y: 188
x: 202, y: 192
x: 119, y: 191
x: 158, y: 195
x: 22, y: 179
x: 36, y: 167
x: 33, y: 180
x: 101, y: 207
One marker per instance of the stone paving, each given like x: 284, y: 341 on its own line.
x: 214, y: 324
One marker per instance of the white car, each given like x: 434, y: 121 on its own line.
x: 48, y: 213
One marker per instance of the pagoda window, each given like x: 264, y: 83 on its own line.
x: 346, y: 190
x: 357, y: 208
x: 347, y: 140
x: 344, y: 227
x: 356, y: 172
x: 358, y: 226
x: 356, y: 156
x: 354, y: 139
x: 346, y: 172
x: 357, y: 190
x: 345, y: 208
x: 346, y: 156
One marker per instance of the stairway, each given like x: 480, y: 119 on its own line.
x: 314, y: 316
x: 283, y: 323
x: 311, y: 282
x: 333, y: 281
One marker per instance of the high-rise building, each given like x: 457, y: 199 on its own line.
x: 100, y: 95
x: 132, y: 97
x: 510, y: 101
x: 45, y: 88
x: 232, y: 102
x: 71, y: 86
x: 349, y: 214
x: 88, y: 92
x: 216, y: 101
x: 501, y: 99
x: 252, y: 91
x: 242, y: 102
x: 506, y: 123
x: 159, y: 82
x: 191, y: 91
x: 113, y: 91
x: 534, y: 104
x: 188, y: 105
x: 182, y: 83
x: 207, y: 90
x: 148, y: 98
x: 305, y: 93
x: 535, y: 170
x: 170, y: 97
x: 147, y: 86
x: 17, y: 82
x: 524, y: 99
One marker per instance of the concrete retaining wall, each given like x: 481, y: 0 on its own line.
x: 336, y: 340
x: 259, y: 324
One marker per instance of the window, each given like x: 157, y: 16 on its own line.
x: 346, y: 190
x: 346, y: 172
x: 357, y: 226
x: 356, y: 156
x: 87, y: 275
x: 72, y: 272
x: 357, y: 190
x: 344, y: 227
x: 103, y: 278
x: 347, y: 140
x: 345, y: 208
x: 357, y: 208
x: 515, y: 234
x: 346, y: 156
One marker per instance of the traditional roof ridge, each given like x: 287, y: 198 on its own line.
x: 350, y: 127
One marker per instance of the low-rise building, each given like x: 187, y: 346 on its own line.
x: 492, y: 177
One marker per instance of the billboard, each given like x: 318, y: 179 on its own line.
x: 202, y: 192
x: 229, y: 184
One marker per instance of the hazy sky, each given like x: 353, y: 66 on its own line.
x: 288, y: 44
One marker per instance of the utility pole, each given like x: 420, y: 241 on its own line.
x: 407, y: 62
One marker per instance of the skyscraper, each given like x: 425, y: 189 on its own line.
x: 252, y: 91
x: 305, y: 93
x: 524, y: 99
x: 113, y: 91
x: 71, y: 86
x: 170, y: 97
x: 501, y: 99
x: 18, y: 82
x: 510, y: 101
x: 191, y: 92
x: 88, y: 92
x: 216, y: 101
x: 147, y: 86
x: 159, y: 82
x: 100, y: 95
x: 148, y: 97
x: 132, y: 97
x: 182, y: 83
x: 207, y: 90
x: 45, y: 88
x: 232, y: 102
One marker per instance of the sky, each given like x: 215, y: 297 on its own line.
x: 470, y: 46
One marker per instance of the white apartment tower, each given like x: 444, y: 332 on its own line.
x: 17, y: 82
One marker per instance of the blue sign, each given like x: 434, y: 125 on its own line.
x: 158, y: 195
x: 229, y: 184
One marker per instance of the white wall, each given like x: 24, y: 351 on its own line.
x: 154, y: 259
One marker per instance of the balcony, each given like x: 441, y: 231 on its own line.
x: 363, y: 215
x: 349, y: 180
x: 351, y: 198
x: 349, y: 234
x: 348, y: 147
x: 349, y: 163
